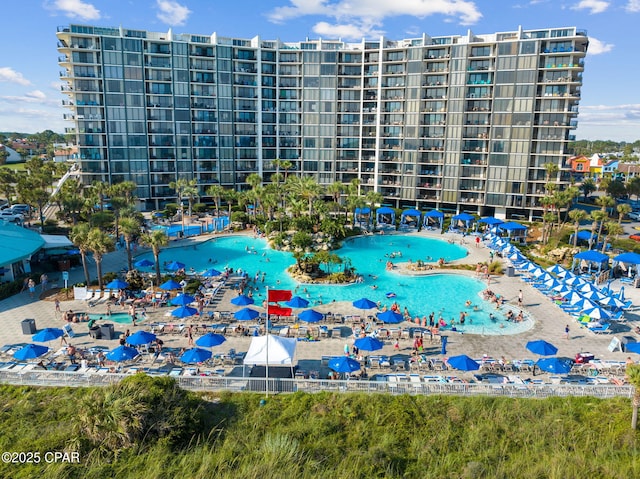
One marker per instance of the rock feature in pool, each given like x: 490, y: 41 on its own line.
x: 309, y: 269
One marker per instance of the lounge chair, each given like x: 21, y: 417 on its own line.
x: 604, y: 329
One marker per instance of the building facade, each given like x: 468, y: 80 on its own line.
x: 460, y: 123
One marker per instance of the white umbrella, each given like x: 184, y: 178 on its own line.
x: 565, y: 274
x: 587, y: 287
x: 538, y: 272
x: 556, y: 269
x: 572, y: 296
x: 611, y: 302
x: 531, y: 266
x: 575, y: 281
x: 594, y: 295
x: 597, y: 313
x: 552, y: 283
x: 562, y: 289
x: 585, y: 304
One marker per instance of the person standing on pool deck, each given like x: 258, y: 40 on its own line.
x: 520, y: 298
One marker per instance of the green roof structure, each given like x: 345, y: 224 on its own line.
x: 17, y: 243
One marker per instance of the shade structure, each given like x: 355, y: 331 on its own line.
x: 196, y: 355
x: 368, y: 344
x: 174, y: 266
x: 171, y: 284
x: 555, y: 365
x: 211, y: 273
x: 210, y: 340
x: 463, y: 363
x: 344, y: 364
x: 271, y: 350
x: 597, y: 313
x: 182, y: 300
x: 122, y: 353
x: 141, y: 337
x: 490, y: 220
x: 310, y: 316
x: 143, y: 263
x: 542, y: 347
x: 463, y: 217
x: 30, y: 351
x: 574, y: 281
x: 47, y: 334
x: 297, y: 302
x: 246, y: 314
x: 364, y: 303
x: 184, y: 312
x: 242, y: 300
x: 631, y: 258
x: 594, y: 295
x: 585, y: 304
x: 390, y: 317
x: 609, y: 301
x: 632, y: 347
x: 117, y: 284
x: 556, y: 269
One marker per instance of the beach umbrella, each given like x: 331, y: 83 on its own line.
x: 242, y: 300
x: 611, y: 302
x: 594, y: 295
x: 364, y: 303
x: 555, y: 365
x: 552, y: 283
x: 390, y: 317
x: 584, y: 304
x: 632, y: 347
x: 143, y: 263
x: 141, y: 337
x: 47, y: 334
x: 542, y: 347
x: 246, y: 314
x: 368, y: 343
x: 344, y: 364
x: 211, y: 273
x: 574, y: 281
x: 174, y: 266
x: 182, y: 300
x: 556, y: 269
x: 122, y: 353
x: 562, y: 289
x: 184, y: 312
x: 210, y: 340
x: 117, y: 284
x: 538, y: 272
x: 171, y: 284
x: 587, y: 287
x: 463, y: 363
x: 30, y: 351
x: 310, y: 316
x: 297, y: 302
x: 573, y: 297
x: 196, y: 355
x: 597, y: 313
x: 531, y: 266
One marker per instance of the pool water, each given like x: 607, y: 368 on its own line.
x: 120, y: 318
x: 443, y: 294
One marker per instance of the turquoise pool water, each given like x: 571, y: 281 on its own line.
x: 120, y: 318
x: 443, y: 294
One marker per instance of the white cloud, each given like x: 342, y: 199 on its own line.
x: 362, y: 18
x: 8, y: 74
x: 35, y: 96
x: 77, y: 9
x: 596, y: 47
x: 633, y: 6
x: 595, y: 6
x: 172, y: 13
x: 609, y: 122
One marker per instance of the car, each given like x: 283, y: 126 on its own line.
x: 634, y: 215
x: 7, y: 215
x: 21, y: 209
x: 635, y: 237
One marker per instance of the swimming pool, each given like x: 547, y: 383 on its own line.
x: 121, y: 318
x: 442, y: 294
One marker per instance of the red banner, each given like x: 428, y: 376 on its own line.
x: 276, y: 295
x: 277, y: 310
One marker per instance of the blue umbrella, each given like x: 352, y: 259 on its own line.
x: 196, y: 355
x: 368, y: 344
x: 364, y: 303
x: 555, y: 365
x: 184, y: 312
x: 141, y: 337
x: 174, y: 266
x: 47, y: 334
x: 30, y: 351
x: 597, y: 313
x: 182, y: 300
x: 310, y: 316
x: 211, y: 273
x: 463, y: 363
x: 210, y: 340
x: 344, y: 364
x: 117, y: 284
x: 171, y: 284
x: 122, y: 353
x: 542, y: 347
x: 297, y: 302
x: 242, y: 300
x: 143, y: 263
x: 246, y: 314
x: 390, y: 317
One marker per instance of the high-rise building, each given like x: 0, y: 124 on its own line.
x: 464, y: 123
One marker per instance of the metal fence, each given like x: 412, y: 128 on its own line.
x: 237, y: 384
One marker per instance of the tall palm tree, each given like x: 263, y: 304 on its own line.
x: 130, y: 228
x: 216, y: 192
x: 633, y: 376
x: 623, y: 209
x: 156, y: 240
x: 612, y: 229
x: 99, y: 243
x: 80, y: 237
x: 577, y: 216
x: 307, y: 188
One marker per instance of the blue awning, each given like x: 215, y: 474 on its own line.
x: 463, y: 217
x: 434, y: 214
x: 632, y: 258
x: 490, y: 220
x: 512, y: 226
x: 593, y: 256
x: 585, y: 235
x: 411, y: 213
x: 385, y: 210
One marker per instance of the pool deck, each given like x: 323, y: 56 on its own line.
x: 549, y: 320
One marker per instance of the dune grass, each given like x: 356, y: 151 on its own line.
x: 148, y: 428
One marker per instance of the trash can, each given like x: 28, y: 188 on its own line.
x: 107, y: 331
x: 511, y: 272
x: 29, y: 326
x: 95, y: 332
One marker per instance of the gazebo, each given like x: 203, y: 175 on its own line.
x: 627, y: 262
x: 432, y: 218
x: 515, y: 231
x: 462, y: 220
x: 491, y: 223
x: 587, y: 260
x: 362, y: 215
x: 585, y: 236
x: 385, y: 216
x: 410, y: 218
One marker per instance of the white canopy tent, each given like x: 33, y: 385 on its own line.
x: 271, y: 350
x: 56, y: 241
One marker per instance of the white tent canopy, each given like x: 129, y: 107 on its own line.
x: 56, y: 241
x: 271, y: 351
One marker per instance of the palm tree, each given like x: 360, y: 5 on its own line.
x: 79, y: 235
x: 307, y: 188
x: 155, y: 240
x: 633, y: 376
x: 216, y: 192
x: 598, y: 217
x: 612, y: 229
x: 577, y: 216
x: 623, y: 209
x: 99, y: 243
x: 130, y: 228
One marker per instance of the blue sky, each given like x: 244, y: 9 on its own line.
x: 610, y: 108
